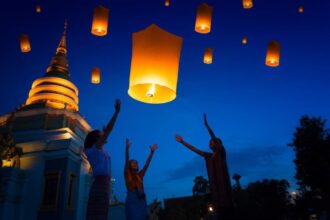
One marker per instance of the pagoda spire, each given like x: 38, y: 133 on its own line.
x: 62, y: 45
x: 59, y: 66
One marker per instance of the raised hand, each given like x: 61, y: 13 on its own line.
x: 117, y: 105
x: 178, y: 138
x: 205, y: 120
x: 128, y: 143
x: 153, y: 148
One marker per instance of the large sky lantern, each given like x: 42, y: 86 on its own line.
x: 167, y: 3
x: 100, y: 21
x: 203, y: 18
x: 273, y: 54
x: 96, y: 75
x: 154, y: 65
x: 247, y: 4
x: 208, y: 56
x: 25, y: 43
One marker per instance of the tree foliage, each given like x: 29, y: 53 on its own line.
x: 311, y: 144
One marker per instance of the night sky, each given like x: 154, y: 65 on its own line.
x: 253, y: 108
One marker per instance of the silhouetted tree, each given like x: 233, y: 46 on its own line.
x: 268, y: 199
x: 311, y: 143
x: 201, y: 186
x: 7, y: 146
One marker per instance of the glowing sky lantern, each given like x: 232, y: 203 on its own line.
x: 38, y: 9
x: 96, y: 75
x: 25, y: 43
x: 154, y: 65
x: 208, y: 56
x: 203, y: 18
x: 100, y: 21
x: 301, y: 9
x: 273, y: 54
x: 247, y: 4
x: 244, y: 40
x: 167, y: 3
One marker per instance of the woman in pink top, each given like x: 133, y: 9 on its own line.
x: 99, y: 160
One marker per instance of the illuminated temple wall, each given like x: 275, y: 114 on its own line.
x: 52, y: 144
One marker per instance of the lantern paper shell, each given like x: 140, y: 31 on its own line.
x: 208, y: 56
x: 100, y: 21
x: 38, y: 9
x: 273, y: 54
x: 96, y: 75
x: 203, y: 18
x: 301, y: 9
x: 247, y: 4
x: 154, y: 65
x: 244, y: 40
x: 167, y: 3
x: 25, y: 43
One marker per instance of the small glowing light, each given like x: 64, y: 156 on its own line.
x: 99, y: 30
x: 151, y: 92
x: 211, y: 209
x: 301, y: 9
x: 203, y: 27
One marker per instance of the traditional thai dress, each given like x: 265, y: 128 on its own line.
x: 136, y: 204
x: 98, y: 202
x: 219, y: 179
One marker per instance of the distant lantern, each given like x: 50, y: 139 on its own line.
x: 247, y: 4
x: 301, y: 9
x: 154, y: 65
x: 38, y: 9
x: 208, y: 56
x: 203, y: 18
x: 273, y: 54
x: 244, y: 40
x: 167, y: 3
x: 25, y: 43
x: 96, y: 75
x: 100, y: 21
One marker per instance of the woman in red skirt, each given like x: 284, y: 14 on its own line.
x: 99, y: 159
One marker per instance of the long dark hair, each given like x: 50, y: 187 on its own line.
x: 92, y: 138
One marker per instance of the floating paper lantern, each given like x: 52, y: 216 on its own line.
x: 273, y: 54
x: 100, y: 21
x: 96, y: 75
x: 38, y: 9
x: 208, y: 55
x: 203, y: 18
x: 247, y: 4
x: 25, y: 43
x: 244, y: 40
x: 167, y: 3
x: 154, y: 65
x: 301, y: 9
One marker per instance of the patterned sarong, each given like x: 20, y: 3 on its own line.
x: 98, y: 202
x: 136, y: 205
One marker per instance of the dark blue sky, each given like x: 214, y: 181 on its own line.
x: 252, y: 107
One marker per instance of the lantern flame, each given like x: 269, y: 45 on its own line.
x: 151, y: 92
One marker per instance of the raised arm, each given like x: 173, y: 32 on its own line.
x: 146, y: 165
x: 107, y: 129
x: 208, y: 128
x: 192, y: 148
x: 128, y: 145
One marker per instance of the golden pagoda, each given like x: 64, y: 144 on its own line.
x: 55, y: 88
